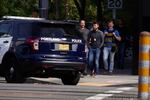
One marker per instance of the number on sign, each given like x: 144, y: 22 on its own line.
x: 111, y: 4
x: 118, y: 3
x: 114, y: 3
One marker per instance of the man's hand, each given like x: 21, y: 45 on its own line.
x: 117, y: 37
x: 105, y: 32
x: 114, y: 33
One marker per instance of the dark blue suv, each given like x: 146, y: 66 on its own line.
x: 40, y: 48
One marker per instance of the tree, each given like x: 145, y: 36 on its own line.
x: 81, y: 4
x: 18, y: 7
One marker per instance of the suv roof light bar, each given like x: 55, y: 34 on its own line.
x: 23, y: 18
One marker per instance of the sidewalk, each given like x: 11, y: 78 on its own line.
x: 125, y: 85
x: 121, y: 85
x: 119, y: 77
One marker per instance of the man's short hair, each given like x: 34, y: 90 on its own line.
x: 82, y: 20
x: 95, y: 22
x: 111, y: 20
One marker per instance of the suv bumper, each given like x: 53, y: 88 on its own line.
x: 35, y: 64
x: 53, y: 64
x: 62, y: 65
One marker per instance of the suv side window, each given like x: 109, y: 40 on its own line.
x: 5, y: 29
x: 24, y: 29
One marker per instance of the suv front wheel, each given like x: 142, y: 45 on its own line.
x: 71, y: 79
x: 12, y: 73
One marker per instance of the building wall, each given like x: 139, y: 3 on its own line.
x: 146, y: 15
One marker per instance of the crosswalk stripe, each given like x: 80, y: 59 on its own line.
x: 109, y: 93
x: 93, y: 84
x: 99, y: 97
x: 115, y: 91
x: 125, y: 88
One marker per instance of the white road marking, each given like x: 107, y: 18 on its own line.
x: 99, y: 97
x: 109, y: 93
x: 113, y: 91
x: 125, y: 88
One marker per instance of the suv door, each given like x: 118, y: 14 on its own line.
x: 5, y: 39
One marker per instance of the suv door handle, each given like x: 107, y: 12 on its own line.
x: 5, y: 41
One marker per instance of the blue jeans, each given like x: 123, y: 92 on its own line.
x: 108, y: 58
x: 87, y: 55
x: 94, y: 55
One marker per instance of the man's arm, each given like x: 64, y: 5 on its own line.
x: 89, y: 39
x: 102, y: 38
x: 117, y: 36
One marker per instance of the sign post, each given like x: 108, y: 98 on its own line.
x: 114, y: 13
x: 114, y: 5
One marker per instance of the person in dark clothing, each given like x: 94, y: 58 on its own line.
x: 84, y: 34
x: 95, y: 42
x: 121, y: 44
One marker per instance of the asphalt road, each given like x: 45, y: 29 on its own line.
x: 102, y: 87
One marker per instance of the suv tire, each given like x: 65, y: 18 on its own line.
x: 12, y: 74
x: 71, y: 79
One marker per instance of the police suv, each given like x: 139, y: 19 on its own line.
x: 35, y: 47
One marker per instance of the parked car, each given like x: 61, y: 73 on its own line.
x: 35, y: 47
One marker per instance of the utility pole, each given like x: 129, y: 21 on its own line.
x: 43, y: 8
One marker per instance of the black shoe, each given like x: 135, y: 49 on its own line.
x: 105, y: 72
x: 85, y: 73
x: 92, y: 73
x: 110, y: 73
x: 82, y: 76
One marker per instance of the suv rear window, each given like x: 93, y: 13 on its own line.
x: 51, y: 32
x: 47, y: 30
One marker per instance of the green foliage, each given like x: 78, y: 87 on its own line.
x: 18, y: 7
x: 90, y: 10
x: 72, y: 12
x: 66, y: 9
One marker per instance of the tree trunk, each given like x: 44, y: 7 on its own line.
x: 80, y: 4
x: 57, y: 9
x: 99, y: 10
x: 66, y: 9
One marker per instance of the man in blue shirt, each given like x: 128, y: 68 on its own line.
x: 110, y: 46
